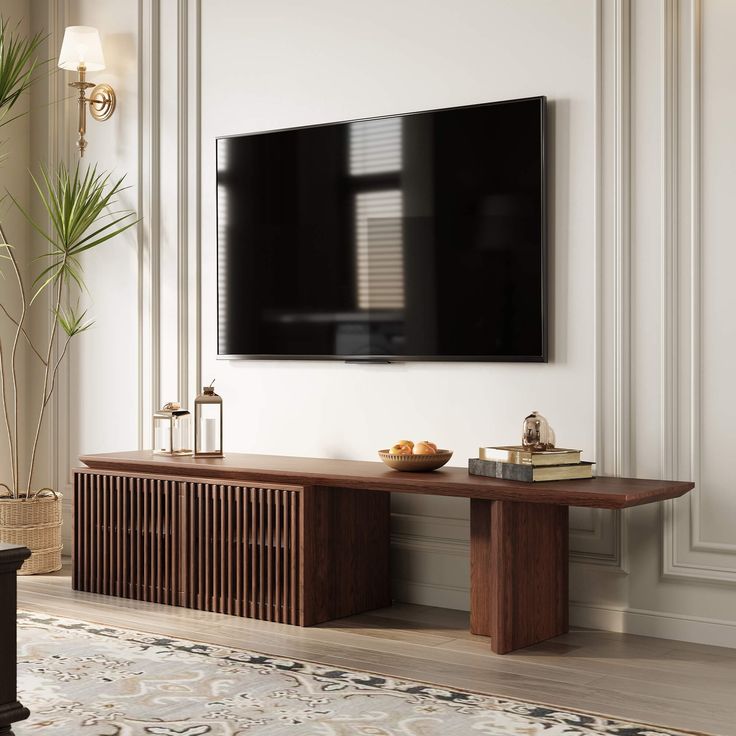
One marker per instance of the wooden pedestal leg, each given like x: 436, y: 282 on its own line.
x: 345, y: 553
x: 518, y: 572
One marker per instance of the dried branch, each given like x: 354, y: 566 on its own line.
x: 25, y: 333
x: 46, y: 374
x: 14, y: 351
x: 6, y: 417
x: 12, y: 436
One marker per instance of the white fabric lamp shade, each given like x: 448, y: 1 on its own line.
x: 81, y: 45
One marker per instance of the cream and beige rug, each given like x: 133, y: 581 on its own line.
x: 81, y: 678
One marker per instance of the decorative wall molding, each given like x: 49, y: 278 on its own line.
x: 621, y: 315
x: 183, y: 209
x: 686, y: 553
x: 612, y: 217
x: 149, y: 131
x: 182, y: 265
x: 192, y: 334
x: 669, y: 81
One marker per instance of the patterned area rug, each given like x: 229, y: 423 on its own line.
x: 81, y: 678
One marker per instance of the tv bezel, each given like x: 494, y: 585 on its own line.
x: 543, y: 357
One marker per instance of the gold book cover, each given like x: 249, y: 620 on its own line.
x: 523, y: 456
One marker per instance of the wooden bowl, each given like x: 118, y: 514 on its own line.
x: 415, y: 463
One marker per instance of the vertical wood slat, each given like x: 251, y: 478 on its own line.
x: 244, y: 552
x: 295, y: 562
x: 230, y: 591
x: 80, y: 532
x: 202, y: 530
x: 224, y: 548
x: 118, y: 537
x: 102, y: 537
x: 97, y: 536
x: 166, y: 532
x: 110, y: 537
x: 127, y: 574
x: 182, y: 523
x: 261, y: 555
x: 137, y: 531
x: 154, y: 498
x: 214, y: 598
x: 238, y: 551
x: 253, y: 552
x: 191, y: 560
x: 144, y: 540
x: 157, y: 538
x: 206, y: 501
x: 268, y: 546
x: 278, y: 498
x: 222, y: 553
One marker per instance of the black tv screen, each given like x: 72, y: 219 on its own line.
x: 409, y: 237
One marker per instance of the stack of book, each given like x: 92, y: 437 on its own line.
x: 512, y: 462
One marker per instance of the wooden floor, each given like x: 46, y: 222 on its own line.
x: 668, y: 683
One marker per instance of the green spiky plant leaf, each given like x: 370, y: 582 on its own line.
x: 78, y: 208
x: 18, y: 64
x: 73, y: 321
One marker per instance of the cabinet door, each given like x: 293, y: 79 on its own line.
x: 126, y: 536
x: 240, y: 550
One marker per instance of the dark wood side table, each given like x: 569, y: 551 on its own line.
x: 11, y: 558
x: 137, y: 513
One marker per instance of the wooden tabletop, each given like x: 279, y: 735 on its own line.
x: 11, y: 555
x: 601, y: 492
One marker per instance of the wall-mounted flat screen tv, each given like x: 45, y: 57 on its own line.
x: 408, y: 237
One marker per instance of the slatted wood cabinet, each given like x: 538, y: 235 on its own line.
x: 285, y: 553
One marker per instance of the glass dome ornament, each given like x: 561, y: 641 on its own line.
x: 536, y: 434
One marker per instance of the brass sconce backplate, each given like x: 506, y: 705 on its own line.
x: 101, y: 102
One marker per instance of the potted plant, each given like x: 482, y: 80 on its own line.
x: 81, y: 216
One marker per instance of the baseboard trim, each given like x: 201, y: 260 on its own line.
x: 67, y: 522
x: 431, y: 594
x: 658, y: 624
x: 642, y: 622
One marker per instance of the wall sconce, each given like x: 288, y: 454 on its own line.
x: 81, y: 51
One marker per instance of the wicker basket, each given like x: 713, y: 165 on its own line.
x: 35, y: 523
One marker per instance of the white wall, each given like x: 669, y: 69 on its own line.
x: 299, y: 64
x: 640, y: 244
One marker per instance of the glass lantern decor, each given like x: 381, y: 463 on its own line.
x: 172, y: 430
x: 208, y: 423
x: 537, y: 435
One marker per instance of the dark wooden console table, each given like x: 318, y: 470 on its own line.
x: 305, y: 540
x: 12, y: 557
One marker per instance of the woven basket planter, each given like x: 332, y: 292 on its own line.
x: 34, y: 523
